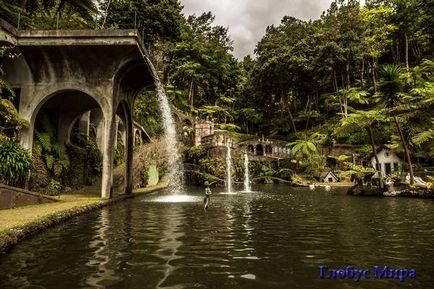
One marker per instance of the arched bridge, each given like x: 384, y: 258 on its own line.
x: 98, y: 72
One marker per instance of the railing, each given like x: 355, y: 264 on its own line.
x: 114, y: 20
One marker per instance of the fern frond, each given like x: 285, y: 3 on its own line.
x: 49, y: 160
x: 423, y: 137
x: 57, y: 169
x: 44, y: 140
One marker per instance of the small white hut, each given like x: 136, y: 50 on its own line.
x: 331, y: 177
x: 389, y: 161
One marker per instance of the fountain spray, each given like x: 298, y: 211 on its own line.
x: 246, y: 174
x: 228, y: 168
x: 174, y: 159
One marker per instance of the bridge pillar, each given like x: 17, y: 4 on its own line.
x: 84, y: 123
x: 129, y: 145
x: 107, y: 155
x: 97, y: 121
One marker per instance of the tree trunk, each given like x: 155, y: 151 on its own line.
x: 335, y: 84
x: 407, y: 152
x: 362, y: 74
x: 60, y: 7
x: 344, y: 96
x: 374, y: 151
x: 292, y: 119
x: 406, y: 50
x: 191, y: 94
x: 308, y: 115
x: 307, y: 104
x: 374, y: 80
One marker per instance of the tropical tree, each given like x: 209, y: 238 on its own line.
x: 306, y: 145
x: 364, y: 120
x: 391, y: 96
x: 156, y: 20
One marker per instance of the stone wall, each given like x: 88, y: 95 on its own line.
x: 11, y: 197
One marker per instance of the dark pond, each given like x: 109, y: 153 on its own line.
x: 276, y: 238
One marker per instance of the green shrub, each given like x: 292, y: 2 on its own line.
x: 53, y: 188
x: 86, y: 155
x: 46, y: 145
x: 195, y: 154
x: 10, y: 120
x: 285, y: 173
x: 15, y: 163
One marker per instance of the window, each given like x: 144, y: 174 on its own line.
x: 387, y: 168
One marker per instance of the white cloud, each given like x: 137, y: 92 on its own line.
x: 248, y: 19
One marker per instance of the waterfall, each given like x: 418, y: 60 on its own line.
x: 228, y: 169
x: 174, y: 159
x: 246, y: 174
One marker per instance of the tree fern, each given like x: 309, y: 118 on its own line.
x: 423, y: 137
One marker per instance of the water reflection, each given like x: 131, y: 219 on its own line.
x: 100, y: 260
x: 274, y: 239
x: 170, y: 242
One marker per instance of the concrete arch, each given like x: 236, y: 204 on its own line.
x: 74, y: 121
x: 131, y: 77
x: 29, y: 111
x: 57, y: 91
x: 124, y: 112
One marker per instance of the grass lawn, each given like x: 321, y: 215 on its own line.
x: 21, y: 216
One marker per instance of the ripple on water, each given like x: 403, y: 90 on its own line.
x: 275, y: 239
x: 174, y: 199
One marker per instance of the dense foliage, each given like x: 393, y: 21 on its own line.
x: 15, y: 163
x: 358, y: 75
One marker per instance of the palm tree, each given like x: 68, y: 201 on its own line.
x: 305, y: 146
x: 360, y: 120
x: 389, y: 89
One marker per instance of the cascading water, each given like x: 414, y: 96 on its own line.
x: 228, y: 169
x: 246, y: 174
x: 174, y: 159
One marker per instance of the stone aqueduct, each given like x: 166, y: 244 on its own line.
x: 78, y: 71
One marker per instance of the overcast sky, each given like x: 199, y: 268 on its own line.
x: 248, y: 19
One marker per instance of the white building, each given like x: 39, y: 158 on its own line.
x: 331, y: 177
x: 389, y: 162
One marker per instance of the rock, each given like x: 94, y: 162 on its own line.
x: 365, y: 191
x: 390, y: 194
x: 67, y: 190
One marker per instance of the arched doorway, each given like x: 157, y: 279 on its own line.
x: 57, y: 120
x: 259, y: 150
